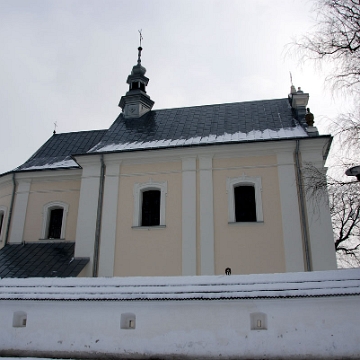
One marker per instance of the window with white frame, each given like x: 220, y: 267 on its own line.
x: 149, y: 204
x: 54, y: 220
x: 244, y: 199
x: 2, y: 222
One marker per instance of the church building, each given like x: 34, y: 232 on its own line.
x: 202, y: 190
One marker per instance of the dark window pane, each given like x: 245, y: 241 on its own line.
x: 150, y: 214
x: 1, y: 221
x: 55, y: 223
x: 245, y: 205
x: 135, y: 85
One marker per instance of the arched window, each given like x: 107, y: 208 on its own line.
x: 2, y: 221
x: 244, y: 199
x: 55, y: 223
x: 149, y: 204
x: 245, y: 204
x: 150, y: 209
x: 54, y: 220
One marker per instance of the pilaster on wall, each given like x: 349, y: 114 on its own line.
x: 88, y: 204
x: 19, y: 214
x: 292, y: 235
x: 207, y: 255
x: 109, y: 215
x: 189, y: 216
x: 322, y: 248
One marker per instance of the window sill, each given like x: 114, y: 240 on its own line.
x: 245, y: 222
x: 149, y: 227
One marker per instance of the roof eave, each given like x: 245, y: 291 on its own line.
x: 202, y: 144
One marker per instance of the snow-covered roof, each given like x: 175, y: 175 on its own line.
x: 203, y: 125
x: 259, y: 286
x: 56, y: 152
x: 231, y: 123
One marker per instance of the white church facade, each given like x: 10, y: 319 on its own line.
x: 187, y: 191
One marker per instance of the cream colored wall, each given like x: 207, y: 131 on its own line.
x: 157, y: 251
x: 43, y: 192
x: 6, y: 189
x: 249, y: 247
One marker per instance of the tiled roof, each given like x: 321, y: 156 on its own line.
x: 190, y: 126
x: 40, y: 260
x: 202, y: 125
x: 56, y: 152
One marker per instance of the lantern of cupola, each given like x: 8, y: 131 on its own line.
x: 136, y: 102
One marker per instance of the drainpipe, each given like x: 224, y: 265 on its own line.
x: 98, y: 218
x: 305, y: 233
x: 11, y: 209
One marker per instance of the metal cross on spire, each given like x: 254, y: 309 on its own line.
x: 139, y: 48
x: 141, y: 37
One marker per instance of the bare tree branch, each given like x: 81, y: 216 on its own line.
x: 334, y: 40
x: 344, y: 204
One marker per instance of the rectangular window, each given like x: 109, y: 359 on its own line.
x: 150, y: 212
x: 55, y: 223
x: 245, y: 204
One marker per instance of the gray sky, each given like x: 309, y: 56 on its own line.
x: 67, y: 61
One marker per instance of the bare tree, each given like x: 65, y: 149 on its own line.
x: 335, y: 40
x: 344, y: 203
x: 345, y: 212
x: 346, y: 130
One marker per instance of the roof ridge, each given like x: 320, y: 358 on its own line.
x: 226, y: 103
x: 78, y: 132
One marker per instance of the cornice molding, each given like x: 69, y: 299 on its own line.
x: 47, y: 175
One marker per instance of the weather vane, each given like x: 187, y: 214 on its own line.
x: 291, y: 79
x: 141, y: 37
x: 55, y: 126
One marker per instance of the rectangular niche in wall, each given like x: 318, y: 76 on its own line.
x: 258, y: 321
x: 128, y: 321
x: 19, y: 319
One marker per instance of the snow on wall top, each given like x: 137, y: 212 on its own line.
x: 314, y: 284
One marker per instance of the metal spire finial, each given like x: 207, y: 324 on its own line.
x: 291, y: 81
x: 141, y: 37
x: 140, y: 48
x: 55, y: 126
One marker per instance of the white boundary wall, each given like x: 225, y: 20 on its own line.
x: 307, y: 315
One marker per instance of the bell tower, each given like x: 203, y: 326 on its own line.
x: 136, y: 102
